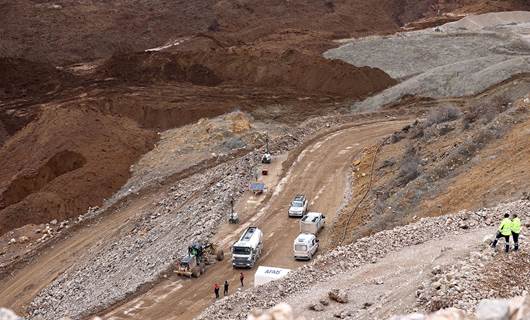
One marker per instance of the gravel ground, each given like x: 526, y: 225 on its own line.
x: 461, y: 58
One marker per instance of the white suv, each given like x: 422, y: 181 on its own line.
x: 298, y: 206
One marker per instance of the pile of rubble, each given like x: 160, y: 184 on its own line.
x: 364, y: 251
x: 514, y: 309
x: 147, y: 247
x: 495, y: 309
x: 484, y: 274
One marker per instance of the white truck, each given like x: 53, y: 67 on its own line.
x: 247, y: 250
x: 305, y: 246
x: 312, y: 222
x: 268, y: 274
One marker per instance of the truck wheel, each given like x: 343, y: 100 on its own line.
x: 196, y: 272
x: 220, y: 255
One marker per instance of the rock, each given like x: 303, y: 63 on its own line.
x: 324, y: 301
x: 23, y: 239
x: 53, y: 222
x: 6, y: 314
x: 412, y: 316
x: 487, y: 239
x: 447, y: 314
x: 12, y: 241
x: 338, y: 295
x: 493, y: 310
x: 436, y: 270
x: 282, y: 311
x: 524, y: 310
x: 316, y: 307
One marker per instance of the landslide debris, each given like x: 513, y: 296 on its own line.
x: 61, y: 32
x: 290, y: 68
x: 61, y: 177
x: 24, y: 78
x: 493, y: 50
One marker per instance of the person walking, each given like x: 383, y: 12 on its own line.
x: 226, y: 288
x: 516, y: 230
x: 241, y: 278
x: 505, y: 231
x: 216, y: 290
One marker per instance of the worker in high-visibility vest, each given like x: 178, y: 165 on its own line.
x: 505, y: 231
x: 516, y: 229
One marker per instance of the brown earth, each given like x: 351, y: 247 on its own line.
x: 74, y: 31
x: 290, y: 69
x: 61, y: 177
x: 438, y: 165
x: 147, y: 92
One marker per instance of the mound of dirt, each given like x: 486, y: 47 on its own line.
x: 149, y: 67
x: 21, y: 78
x: 291, y: 68
x: 69, y: 175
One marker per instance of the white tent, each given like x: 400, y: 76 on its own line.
x: 267, y: 274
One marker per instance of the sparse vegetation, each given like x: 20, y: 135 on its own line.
x: 409, y: 167
x: 442, y: 114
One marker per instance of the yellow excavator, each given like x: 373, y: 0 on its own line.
x: 199, y: 256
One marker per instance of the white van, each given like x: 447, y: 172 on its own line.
x: 305, y: 246
x: 312, y: 222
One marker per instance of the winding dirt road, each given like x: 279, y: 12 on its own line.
x: 320, y: 172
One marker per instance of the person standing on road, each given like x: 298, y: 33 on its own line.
x: 505, y: 231
x: 226, y: 288
x: 216, y: 290
x: 241, y: 278
x: 516, y: 229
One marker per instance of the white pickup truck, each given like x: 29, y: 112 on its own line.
x: 312, y: 222
x: 298, y: 206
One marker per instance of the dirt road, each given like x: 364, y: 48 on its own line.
x: 320, y: 172
x: 389, y: 286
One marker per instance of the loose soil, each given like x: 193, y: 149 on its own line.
x: 71, y: 31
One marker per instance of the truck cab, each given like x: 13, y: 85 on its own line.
x: 247, y: 250
x: 298, y: 206
x: 305, y: 246
x: 312, y: 222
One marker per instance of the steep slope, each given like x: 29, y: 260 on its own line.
x: 61, y: 32
x: 61, y: 177
x: 453, y: 159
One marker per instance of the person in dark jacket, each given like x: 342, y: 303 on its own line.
x: 216, y: 290
x: 226, y: 288
x: 241, y: 278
